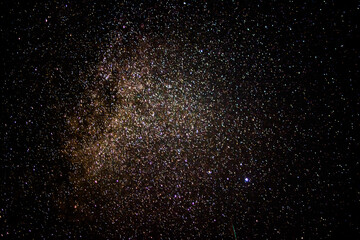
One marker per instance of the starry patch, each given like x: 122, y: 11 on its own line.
x: 179, y: 120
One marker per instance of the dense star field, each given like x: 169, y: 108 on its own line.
x: 179, y: 120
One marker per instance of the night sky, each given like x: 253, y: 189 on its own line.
x: 180, y: 120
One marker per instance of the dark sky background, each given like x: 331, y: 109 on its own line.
x: 179, y: 120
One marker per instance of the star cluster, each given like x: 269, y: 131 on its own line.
x: 179, y: 120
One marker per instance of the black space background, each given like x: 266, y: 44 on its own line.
x: 327, y: 192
